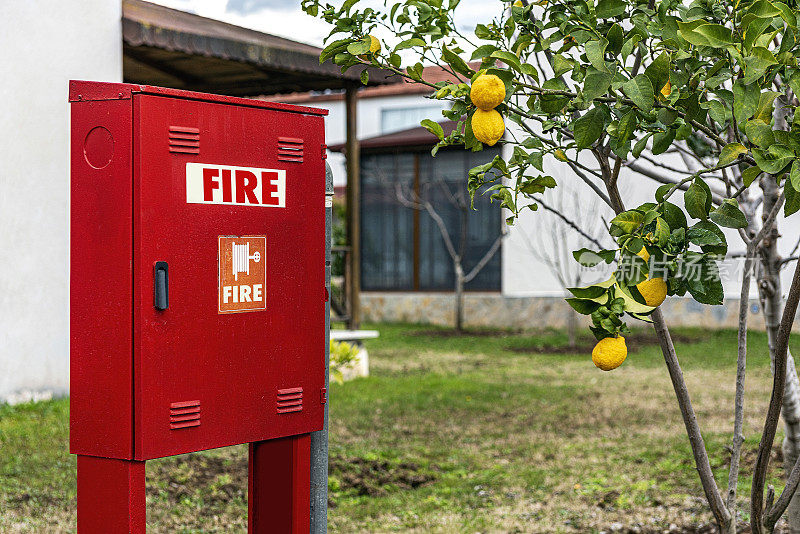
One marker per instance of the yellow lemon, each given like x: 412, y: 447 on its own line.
x: 519, y: 3
x: 487, y: 92
x: 654, y: 291
x: 609, y: 353
x: 374, y: 45
x: 488, y: 126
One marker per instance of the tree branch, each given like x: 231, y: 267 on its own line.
x: 773, y: 413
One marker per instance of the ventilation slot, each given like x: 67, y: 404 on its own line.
x: 184, y: 414
x: 290, y: 400
x: 290, y: 149
x: 184, y: 140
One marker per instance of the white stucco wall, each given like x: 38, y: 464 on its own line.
x: 44, y: 44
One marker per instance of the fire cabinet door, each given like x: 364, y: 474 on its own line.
x: 204, y: 377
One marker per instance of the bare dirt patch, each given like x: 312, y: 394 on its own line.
x: 376, y: 477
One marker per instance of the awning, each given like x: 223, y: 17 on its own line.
x: 167, y: 47
x: 417, y: 137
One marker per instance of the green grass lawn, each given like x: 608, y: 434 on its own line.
x: 478, y: 433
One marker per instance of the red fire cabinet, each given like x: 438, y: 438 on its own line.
x: 197, y: 294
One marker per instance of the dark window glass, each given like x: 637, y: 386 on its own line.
x: 388, y: 225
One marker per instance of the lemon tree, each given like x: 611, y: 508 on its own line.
x: 607, y: 87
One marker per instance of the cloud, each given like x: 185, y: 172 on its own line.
x: 245, y: 7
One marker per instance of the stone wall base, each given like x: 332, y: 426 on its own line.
x: 493, y: 310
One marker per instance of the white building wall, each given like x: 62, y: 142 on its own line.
x: 44, y: 44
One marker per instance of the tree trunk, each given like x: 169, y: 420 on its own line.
x: 459, y: 296
x: 769, y: 288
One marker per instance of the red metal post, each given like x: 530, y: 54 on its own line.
x: 279, y: 486
x: 111, y: 496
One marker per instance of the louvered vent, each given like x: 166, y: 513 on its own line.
x: 184, y: 140
x: 184, y: 414
x: 290, y: 149
x: 290, y: 400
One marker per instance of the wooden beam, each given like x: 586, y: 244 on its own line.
x: 352, y: 155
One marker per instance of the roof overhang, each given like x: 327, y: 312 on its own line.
x: 167, y: 47
x: 412, y: 138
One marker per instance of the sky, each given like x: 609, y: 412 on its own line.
x: 285, y: 18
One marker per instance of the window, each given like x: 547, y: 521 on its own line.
x: 402, y: 248
x: 396, y: 119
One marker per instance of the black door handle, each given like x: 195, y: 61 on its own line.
x: 161, y: 293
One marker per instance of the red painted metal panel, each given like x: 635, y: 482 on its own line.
x: 80, y: 90
x: 279, y: 482
x: 101, y: 403
x: 111, y: 496
x: 233, y: 364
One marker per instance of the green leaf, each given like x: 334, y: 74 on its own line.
x: 640, y: 145
x: 628, y: 221
x: 584, y: 307
x: 596, y: 84
x: 757, y: 63
x: 609, y: 8
x: 674, y: 216
x: 591, y: 292
x: 702, y: 279
x: 688, y: 30
x: 658, y: 71
x: 561, y: 64
x: 750, y: 174
x: 745, y: 100
x: 792, y: 199
x: 590, y: 258
x: 409, y: 43
x: 434, y: 127
x: 332, y: 49
x: 773, y: 160
x: 731, y: 153
x: 588, y: 128
x: 763, y: 9
x: 766, y: 106
x: 729, y: 215
x: 365, y: 76
x: 359, y: 47
x: 794, y: 175
x: 705, y: 233
x: 455, y: 61
x: 627, y: 125
x: 482, y: 51
x: 759, y: 133
x: 695, y: 201
x: 615, y: 38
x: 508, y: 58
x: 716, y: 35
x: 662, y: 141
x: 640, y: 90
x: 661, y: 232
x: 595, y: 52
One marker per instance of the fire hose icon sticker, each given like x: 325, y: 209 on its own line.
x: 242, y: 273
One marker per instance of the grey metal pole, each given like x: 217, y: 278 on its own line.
x: 319, y: 440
